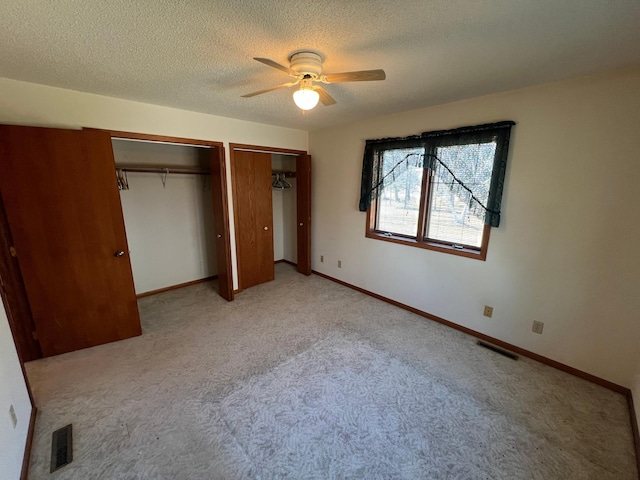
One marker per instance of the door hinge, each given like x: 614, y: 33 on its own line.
x: 12, y: 251
x: 34, y: 334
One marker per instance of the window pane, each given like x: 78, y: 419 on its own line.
x: 398, y: 204
x: 450, y: 219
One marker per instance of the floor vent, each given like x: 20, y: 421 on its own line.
x: 61, y: 448
x: 499, y: 350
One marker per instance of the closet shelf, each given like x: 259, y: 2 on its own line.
x: 143, y: 168
x: 287, y: 173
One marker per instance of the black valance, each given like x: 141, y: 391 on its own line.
x: 428, y: 142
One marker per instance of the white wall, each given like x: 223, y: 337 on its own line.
x: 13, y: 391
x: 170, y: 228
x: 566, y: 252
x: 23, y: 103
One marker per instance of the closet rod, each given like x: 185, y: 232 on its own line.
x: 142, y: 168
x: 287, y: 173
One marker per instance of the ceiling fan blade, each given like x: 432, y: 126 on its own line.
x: 325, y: 98
x: 361, y: 76
x: 271, y: 63
x: 266, y: 90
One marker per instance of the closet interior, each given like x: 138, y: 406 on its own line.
x: 165, y: 191
x: 283, y: 193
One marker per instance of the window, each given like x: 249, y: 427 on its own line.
x: 441, y: 190
x: 398, y: 206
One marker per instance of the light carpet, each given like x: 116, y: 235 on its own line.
x: 304, y: 378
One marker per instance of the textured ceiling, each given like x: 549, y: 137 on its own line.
x: 197, y: 55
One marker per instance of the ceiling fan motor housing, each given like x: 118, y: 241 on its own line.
x: 306, y: 62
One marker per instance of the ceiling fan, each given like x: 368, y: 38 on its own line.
x: 305, y: 66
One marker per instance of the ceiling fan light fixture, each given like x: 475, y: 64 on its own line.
x: 306, y: 98
x: 305, y: 66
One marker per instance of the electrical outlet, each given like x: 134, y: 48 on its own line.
x: 537, y: 327
x: 488, y: 311
x: 14, y: 418
x: 339, y: 263
x: 321, y: 258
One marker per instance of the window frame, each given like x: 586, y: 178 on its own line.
x: 420, y: 240
x: 469, y: 252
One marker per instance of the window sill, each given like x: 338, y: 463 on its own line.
x: 438, y: 247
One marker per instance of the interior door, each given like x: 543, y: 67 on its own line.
x: 303, y: 206
x: 62, y: 203
x: 221, y: 221
x: 254, y: 217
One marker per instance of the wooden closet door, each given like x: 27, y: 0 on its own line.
x: 254, y: 217
x: 303, y: 208
x: 62, y: 203
x: 221, y: 220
